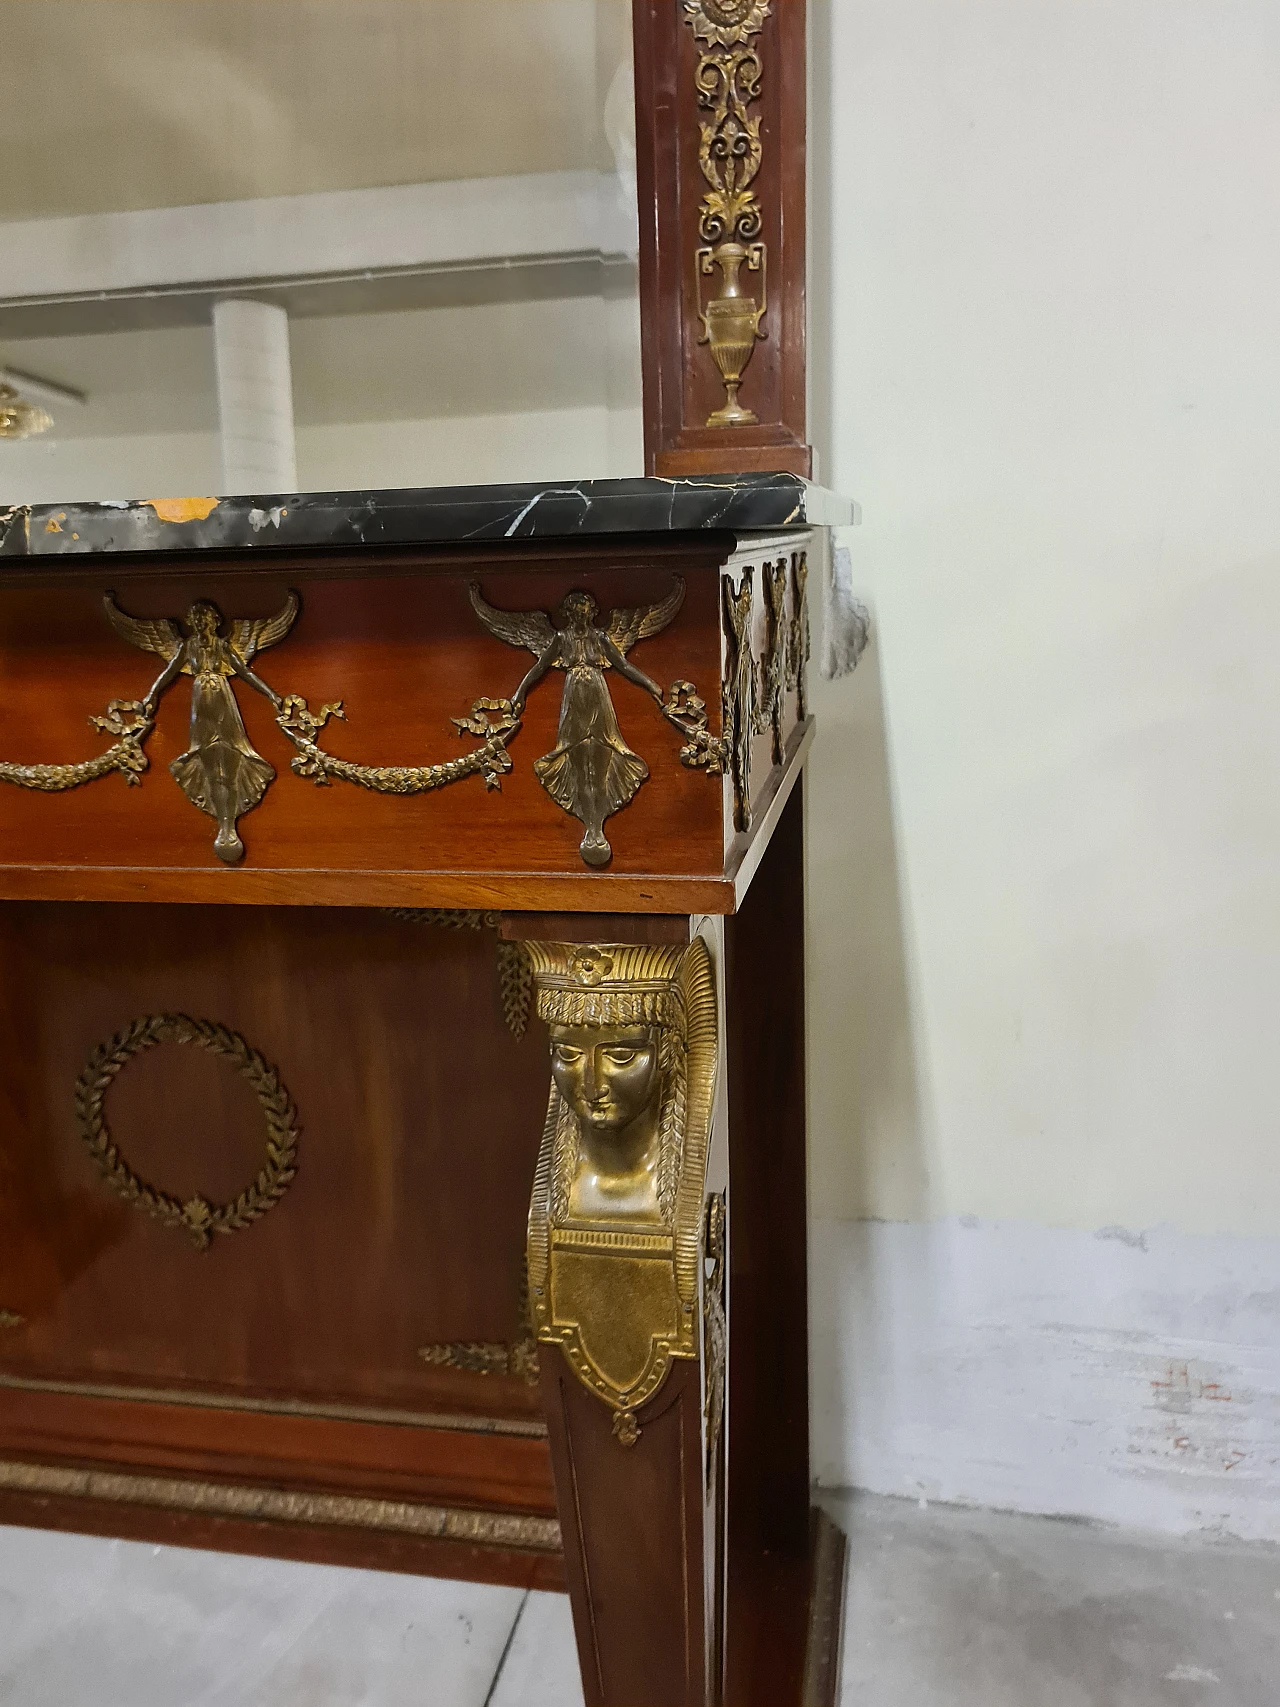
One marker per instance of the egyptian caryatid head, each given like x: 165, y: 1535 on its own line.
x: 615, y: 1225
x: 609, y: 1078
x: 616, y: 1016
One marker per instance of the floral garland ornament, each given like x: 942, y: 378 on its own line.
x: 730, y: 154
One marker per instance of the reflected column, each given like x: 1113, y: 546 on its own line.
x: 255, y: 397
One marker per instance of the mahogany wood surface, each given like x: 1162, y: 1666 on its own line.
x: 654, y: 893
x: 785, y: 1624
x: 419, y: 1113
x: 632, y: 1524
x: 369, y: 1460
x: 594, y: 927
x: 681, y: 383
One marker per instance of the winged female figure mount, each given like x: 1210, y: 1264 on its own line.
x: 591, y: 771
x: 220, y: 772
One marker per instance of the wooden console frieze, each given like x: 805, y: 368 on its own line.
x: 366, y: 683
x: 390, y: 749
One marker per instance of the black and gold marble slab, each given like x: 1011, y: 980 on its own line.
x: 421, y: 516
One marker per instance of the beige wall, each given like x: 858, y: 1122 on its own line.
x: 1046, y: 813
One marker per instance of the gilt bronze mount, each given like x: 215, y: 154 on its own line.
x: 516, y: 1357
x: 591, y: 771
x: 774, y: 660
x: 755, y: 688
x: 730, y: 155
x: 197, y: 1217
x: 220, y: 772
x: 715, y: 1330
x: 798, y: 642
x: 740, y: 689
x: 616, y: 1221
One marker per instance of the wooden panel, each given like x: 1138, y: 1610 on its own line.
x: 452, y: 1467
x: 405, y: 656
x: 253, y: 888
x: 288, y: 1349
x: 420, y: 1118
x: 681, y: 383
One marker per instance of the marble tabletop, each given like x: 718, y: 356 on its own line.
x: 444, y: 515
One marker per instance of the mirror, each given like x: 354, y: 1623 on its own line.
x: 273, y: 245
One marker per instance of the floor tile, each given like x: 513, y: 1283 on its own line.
x: 956, y: 1608
x: 541, y: 1667
x: 91, y: 1623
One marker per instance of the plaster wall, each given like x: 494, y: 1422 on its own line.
x: 1043, y: 815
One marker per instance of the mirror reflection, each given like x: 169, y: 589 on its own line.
x: 276, y: 245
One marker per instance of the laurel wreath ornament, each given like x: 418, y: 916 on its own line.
x: 199, y: 1218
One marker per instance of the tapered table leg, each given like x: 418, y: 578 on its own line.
x: 636, y: 1553
x: 628, y: 1313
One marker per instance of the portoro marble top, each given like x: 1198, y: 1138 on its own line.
x: 443, y: 515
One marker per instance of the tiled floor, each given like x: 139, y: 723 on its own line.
x: 951, y: 1608
x: 88, y: 1623
x: 946, y: 1608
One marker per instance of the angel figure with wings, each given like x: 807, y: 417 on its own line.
x: 220, y: 772
x: 591, y: 772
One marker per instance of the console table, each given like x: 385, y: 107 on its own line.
x: 323, y: 819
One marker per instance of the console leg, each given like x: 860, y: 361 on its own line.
x: 626, y: 1276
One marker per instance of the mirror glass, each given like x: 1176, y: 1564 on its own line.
x: 274, y: 245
